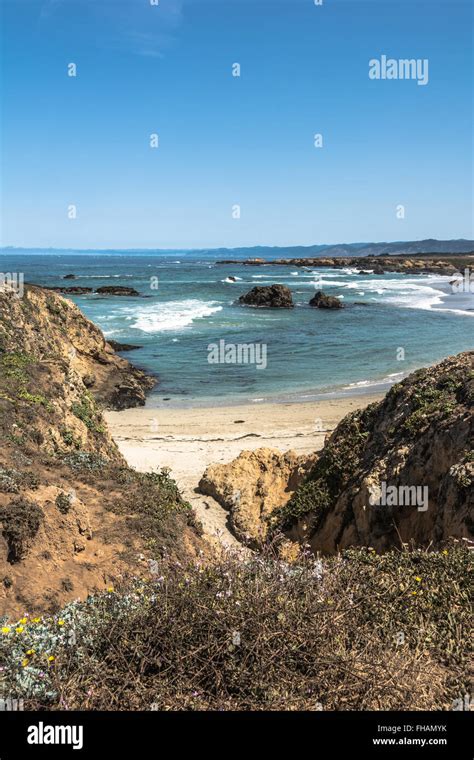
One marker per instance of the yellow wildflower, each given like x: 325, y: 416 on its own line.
x: 6, y: 629
x: 20, y: 629
x: 110, y: 590
x: 51, y: 658
x: 445, y: 551
x: 30, y: 652
x: 60, y: 622
x: 23, y: 621
x: 25, y: 662
x: 418, y: 579
x: 414, y: 593
x: 36, y: 620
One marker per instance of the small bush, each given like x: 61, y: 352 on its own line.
x: 63, y: 502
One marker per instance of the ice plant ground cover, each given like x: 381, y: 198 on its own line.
x: 357, y: 631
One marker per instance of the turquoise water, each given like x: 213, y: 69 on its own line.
x: 310, y: 352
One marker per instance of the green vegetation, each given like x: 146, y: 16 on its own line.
x: 63, y: 502
x: 69, y: 438
x: 11, y: 480
x: 333, y: 470
x: 14, y: 366
x: 86, y: 411
x: 358, y: 632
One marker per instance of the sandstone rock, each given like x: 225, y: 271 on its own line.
x: 274, y: 296
x: 254, y: 484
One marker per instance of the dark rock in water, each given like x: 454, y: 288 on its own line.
x: 271, y: 296
x: 69, y: 277
x: 117, y: 290
x: 122, y: 346
x: 77, y: 290
x: 231, y: 277
x: 378, y: 269
x: 321, y: 300
x: 360, y: 303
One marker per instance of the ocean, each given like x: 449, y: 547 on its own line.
x: 187, y: 304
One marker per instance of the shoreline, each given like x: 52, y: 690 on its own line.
x: 187, y: 440
x: 369, y: 388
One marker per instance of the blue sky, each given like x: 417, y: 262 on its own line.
x: 224, y: 140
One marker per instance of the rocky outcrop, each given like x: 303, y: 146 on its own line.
x: 442, y: 265
x: 400, y: 471
x: 122, y: 346
x: 105, y: 290
x: 322, y: 300
x: 73, y: 516
x: 252, y: 485
x: 73, y: 290
x: 117, y: 290
x: 269, y: 296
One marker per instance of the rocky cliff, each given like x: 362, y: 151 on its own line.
x: 399, y: 471
x: 73, y: 516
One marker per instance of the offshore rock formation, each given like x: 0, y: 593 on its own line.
x: 80, y: 290
x: 254, y: 484
x: 73, y: 516
x: 322, y: 300
x: 273, y: 296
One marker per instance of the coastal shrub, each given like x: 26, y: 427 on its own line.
x: 85, y: 461
x: 11, y: 480
x: 63, y: 502
x: 20, y: 521
x: 151, y: 499
x: 334, y: 468
x: 358, y: 631
x: 85, y: 410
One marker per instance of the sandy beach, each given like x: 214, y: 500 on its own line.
x: 188, y: 440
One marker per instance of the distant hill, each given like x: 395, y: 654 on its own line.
x: 430, y: 245
x: 446, y: 247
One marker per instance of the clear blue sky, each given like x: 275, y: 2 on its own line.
x: 225, y: 140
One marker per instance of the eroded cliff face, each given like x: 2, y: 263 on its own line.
x: 73, y: 516
x: 421, y: 438
x: 252, y: 486
x: 399, y: 471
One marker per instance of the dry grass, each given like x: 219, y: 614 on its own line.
x: 356, y: 632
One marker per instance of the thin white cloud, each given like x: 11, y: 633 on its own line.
x: 133, y: 26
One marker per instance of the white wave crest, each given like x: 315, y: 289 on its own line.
x: 173, y: 315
